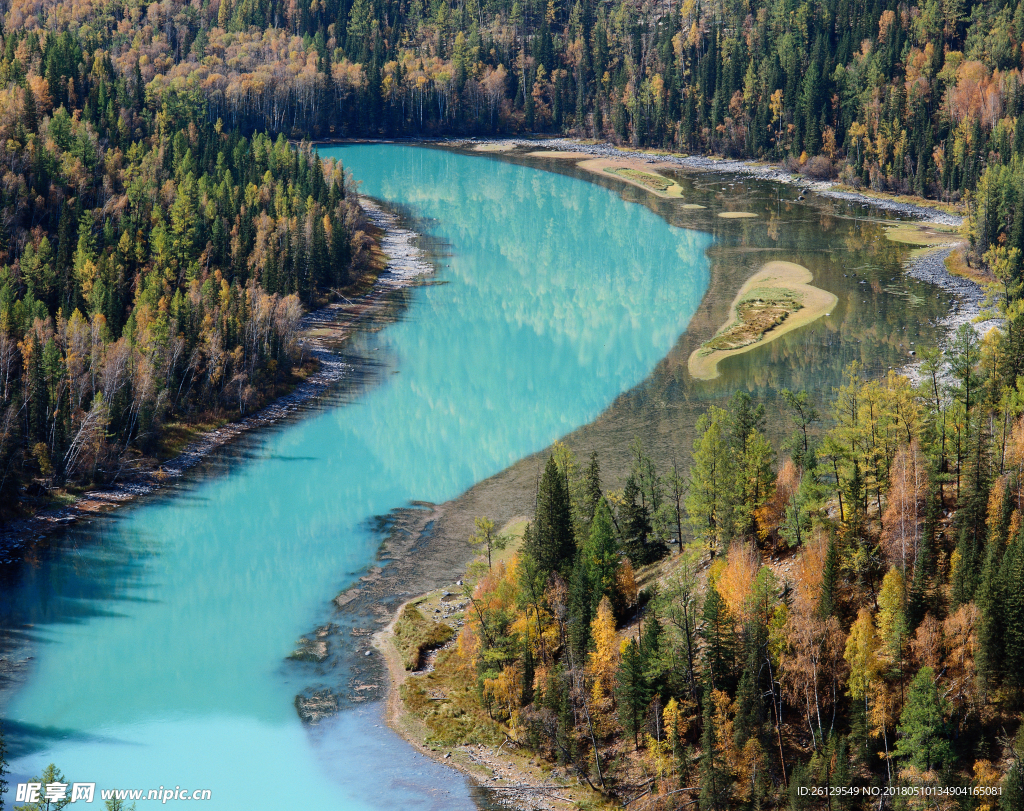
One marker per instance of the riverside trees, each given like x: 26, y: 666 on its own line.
x: 153, y: 265
x: 878, y: 646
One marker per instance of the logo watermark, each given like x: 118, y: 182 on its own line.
x: 86, y: 793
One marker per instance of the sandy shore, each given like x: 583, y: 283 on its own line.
x: 787, y: 276
x: 323, y: 331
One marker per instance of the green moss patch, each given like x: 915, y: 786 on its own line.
x: 415, y: 636
x: 649, y: 180
x: 761, y: 309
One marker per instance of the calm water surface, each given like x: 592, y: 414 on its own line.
x: 159, y: 636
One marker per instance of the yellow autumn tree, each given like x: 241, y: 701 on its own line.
x: 891, y: 615
x: 862, y: 655
x: 605, y: 656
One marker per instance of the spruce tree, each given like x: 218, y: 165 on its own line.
x: 1012, y: 610
x: 829, y: 582
x: 714, y: 782
x: 632, y: 692
x: 636, y: 525
x: 989, y: 598
x: 924, y: 735
x: 749, y: 701
x: 581, y: 604
x: 601, y: 550
x: 551, y: 542
x: 651, y: 648
x: 718, y: 640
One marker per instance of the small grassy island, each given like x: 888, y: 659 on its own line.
x: 633, y: 171
x: 636, y: 173
x: 775, y: 300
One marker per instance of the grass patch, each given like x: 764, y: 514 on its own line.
x: 446, y: 702
x: 415, y: 635
x: 956, y: 264
x: 651, y: 181
x: 760, y: 309
x: 176, y: 436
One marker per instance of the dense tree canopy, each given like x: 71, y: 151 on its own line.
x: 154, y: 264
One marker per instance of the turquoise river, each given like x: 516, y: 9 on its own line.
x: 158, y: 636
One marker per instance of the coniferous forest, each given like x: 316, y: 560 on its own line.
x: 838, y: 627
x: 155, y: 263
x: 133, y: 175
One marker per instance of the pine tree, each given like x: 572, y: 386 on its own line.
x: 924, y: 736
x: 633, y: 692
x: 828, y: 602
x: 717, y: 632
x: 551, y: 541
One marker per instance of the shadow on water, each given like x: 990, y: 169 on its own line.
x: 27, y: 739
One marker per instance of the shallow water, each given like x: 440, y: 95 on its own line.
x: 159, y: 636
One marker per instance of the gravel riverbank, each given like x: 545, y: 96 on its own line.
x: 970, y: 296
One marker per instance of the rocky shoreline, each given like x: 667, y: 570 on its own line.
x: 970, y: 296
x: 324, y: 330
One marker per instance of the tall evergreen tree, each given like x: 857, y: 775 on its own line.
x: 551, y: 542
x: 714, y: 778
x: 719, y: 653
x: 632, y: 692
x: 828, y: 602
x: 924, y: 735
x: 635, y: 520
